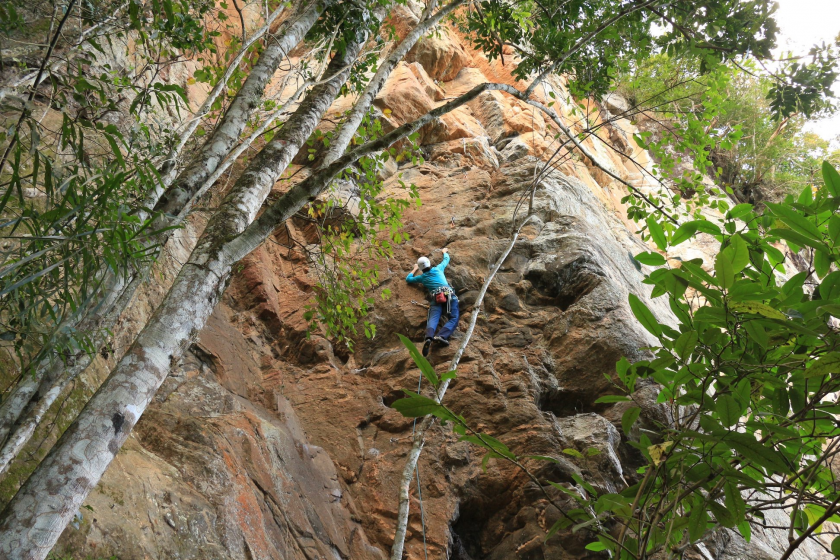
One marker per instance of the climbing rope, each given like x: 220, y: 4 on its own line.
x: 417, y: 470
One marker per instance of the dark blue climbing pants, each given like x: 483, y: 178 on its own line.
x: 435, y: 312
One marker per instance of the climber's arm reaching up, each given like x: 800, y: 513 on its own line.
x: 445, y: 260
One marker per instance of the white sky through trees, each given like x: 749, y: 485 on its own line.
x: 804, y: 23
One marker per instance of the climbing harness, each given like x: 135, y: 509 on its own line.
x: 443, y: 294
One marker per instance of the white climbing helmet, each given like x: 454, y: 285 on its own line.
x: 423, y: 263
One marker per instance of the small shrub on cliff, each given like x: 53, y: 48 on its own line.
x: 765, y: 158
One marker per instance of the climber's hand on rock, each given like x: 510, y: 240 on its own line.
x: 444, y: 250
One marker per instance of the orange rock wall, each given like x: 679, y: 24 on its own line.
x: 266, y: 444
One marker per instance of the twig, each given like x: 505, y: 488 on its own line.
x: 25, y: 112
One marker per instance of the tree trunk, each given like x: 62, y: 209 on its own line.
x: 35, y: 518
x: 247, y: 100
x: 171, y: 202
x: 420, y: 433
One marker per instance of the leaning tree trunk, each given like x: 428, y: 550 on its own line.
x: 35, y: 518
x: 179, y: 194
x: 419, y: 438
x: 33, y: 521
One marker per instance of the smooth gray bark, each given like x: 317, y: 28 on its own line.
x: 179, y: 194
x: 35, y: 518
x: 227, y: 133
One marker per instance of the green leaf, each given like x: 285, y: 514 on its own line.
x: 832, y: 308
x: 755, y: 451
x: 740, y: 210
x: 724, y: 271
x: 728, y: 410
x: 596, y: 546
x: 629, y: 418
x: 542, y: 458
x: 756, y: 308
x: 835, y: 547
x: 830, y: 363
x: 834, y: 229
x: 745, y: 530
x: 115, y: 149
x: 830, y: 287
x: 416, y: 406
x: 448, y: 375
x: 832, y: 183
x: 822, y: 263
x: 794, y: 220
x: 801, y: 240
x: 650, y: 259
x: 685, y: 344
x: 706, y: 226
x: 697, y: 521
x: 740, y: 254
x: 644, y: 316
x: 573, y: 452
x: 612, y: 399
x: 656, y: 233
x: 742, y: 394
x: 733, y: 500
x: 683, y: 233
x: 723, y: 516
x: 422, y: 363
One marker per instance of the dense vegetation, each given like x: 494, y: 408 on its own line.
x: 749, y: 375
x: 768, y: 159
x: 94, y: 180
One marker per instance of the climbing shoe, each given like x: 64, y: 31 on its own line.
x: 441, y: 340
x: 427, y: 346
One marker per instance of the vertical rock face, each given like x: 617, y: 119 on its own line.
x: 265, y: 443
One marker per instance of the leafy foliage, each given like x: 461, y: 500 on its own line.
x: 74, y: 182
x: 593, y: 41
x: 78, y: 163
x: 721, y: 121
x: 750, y: 375
x: 356, y: 224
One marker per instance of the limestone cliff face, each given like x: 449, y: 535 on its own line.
x: 266, y: 444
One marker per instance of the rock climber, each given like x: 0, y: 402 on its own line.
x: 442, y: 300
